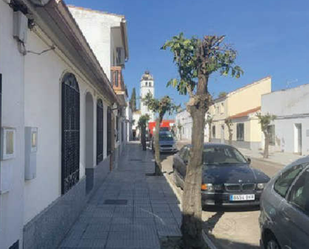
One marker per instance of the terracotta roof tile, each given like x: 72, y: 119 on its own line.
x: 245, y: 114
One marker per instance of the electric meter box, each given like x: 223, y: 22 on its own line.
x: 20, y: 26
x: 31, y: 148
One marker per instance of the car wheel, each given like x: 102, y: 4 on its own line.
x: 271, y: 243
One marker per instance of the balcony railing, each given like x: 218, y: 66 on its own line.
x: 117, y: 79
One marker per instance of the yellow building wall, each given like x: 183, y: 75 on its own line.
x: 248, y: 97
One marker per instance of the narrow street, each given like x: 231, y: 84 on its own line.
x: 226, y: 227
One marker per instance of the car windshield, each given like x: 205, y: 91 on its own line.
x: 222, y: 155
x: 166, y: 137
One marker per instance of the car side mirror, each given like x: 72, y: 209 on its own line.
x: 249, y: 160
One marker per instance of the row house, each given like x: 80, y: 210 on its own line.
x: 290, y: 129
x: 241, y: 107
x: 63, y: 115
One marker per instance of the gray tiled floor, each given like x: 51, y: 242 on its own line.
x: 151, y: 210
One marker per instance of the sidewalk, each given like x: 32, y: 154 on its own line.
x: 129, y: 210
x: 282, y: 158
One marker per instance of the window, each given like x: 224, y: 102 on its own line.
x: 272, y: 135
x: 186, y: 155
x: 222, y: 155
x: 240, y: 132
x: 299, y: 196
x: 146, y: 83
x: 100, y: 131
x: 150, y: 84
x: 285, y: 180
x: 214, y: 131
x: 70, y: 137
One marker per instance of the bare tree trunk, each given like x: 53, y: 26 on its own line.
x: 143, y: 137
x: 192, y: 206
x: 266, y: 147
x: 209, y: 132
x: 158, y: 168
x: 230, y: 136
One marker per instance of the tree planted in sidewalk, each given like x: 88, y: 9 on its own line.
x: 229, y: 123
x: 142, y: 124
x: 209, y: 120
x: 196, y: 59
x: 160, y: 107
x: 265, y: 121
x: 179, y: 126
x: 133, y: 100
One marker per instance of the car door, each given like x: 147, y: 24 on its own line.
x: 276, y: 201
x: 177, y: 162
x: 296, y: 212
x: 184, y: 162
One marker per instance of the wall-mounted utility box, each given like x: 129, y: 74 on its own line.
x: 31, y: 148
x: 20, y: 26
x: 8, y: 143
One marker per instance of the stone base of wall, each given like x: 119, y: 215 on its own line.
x: 48, y: 228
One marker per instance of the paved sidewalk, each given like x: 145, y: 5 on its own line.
x: 129, y: 210
x: 282, y: 158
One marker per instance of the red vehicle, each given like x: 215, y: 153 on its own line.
x: 165, y: 125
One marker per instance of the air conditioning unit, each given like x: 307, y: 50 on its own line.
x: 20, y: 26
x: 120, y: 56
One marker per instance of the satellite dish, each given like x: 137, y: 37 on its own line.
x: 40, y: 2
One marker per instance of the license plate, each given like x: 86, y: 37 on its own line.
x: 242, y: 197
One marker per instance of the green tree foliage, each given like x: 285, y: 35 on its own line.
x: 160, y: 107
x: 142, y: 124
x: 265, y: 121
x: 133, y: 100
x: 222, y: 94
x: 196, y: 59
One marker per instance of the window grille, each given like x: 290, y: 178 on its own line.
x: 100, y: 131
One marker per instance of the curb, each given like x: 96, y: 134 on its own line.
x: 206, y: 238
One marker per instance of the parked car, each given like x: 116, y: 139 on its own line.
x: 227, y: 180
x: 284, y: 218
x: 167, y: 142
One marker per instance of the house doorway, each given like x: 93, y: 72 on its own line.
x: 89, y: 143
x: 298, y: 139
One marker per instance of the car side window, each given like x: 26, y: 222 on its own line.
x: 299, y: 195
x: 285, y: 180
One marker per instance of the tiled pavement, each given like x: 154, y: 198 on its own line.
x: 129, y: 210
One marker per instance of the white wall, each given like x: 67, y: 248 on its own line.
x: 12, y: 70
x: 291, y: 107
x: 43, y: 76
x: 96, y: 27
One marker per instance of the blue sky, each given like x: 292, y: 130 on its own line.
x: 271, y: 37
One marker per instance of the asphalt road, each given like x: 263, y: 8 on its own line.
x: 230, y: 228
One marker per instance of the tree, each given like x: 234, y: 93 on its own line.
x: 142, y: 124
x: 196, y: 59
x: 222, y: 94
x: 229, y: 124
x: 133, y: 100
x: 209, y: 120
x: 160, y: 107
x: 179, y: 126
x: 265, y: 121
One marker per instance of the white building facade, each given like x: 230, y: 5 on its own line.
x: 184, y: 123
x: 290, y: 129
x: 57, y: 120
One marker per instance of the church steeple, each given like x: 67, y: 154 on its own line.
x: 146, y: 86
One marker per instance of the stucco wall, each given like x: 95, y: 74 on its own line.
x: 12, y: 171
x: 96, y: 27
x: 248, y: 97
x: 43, y: 76
x: 291, y: 107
